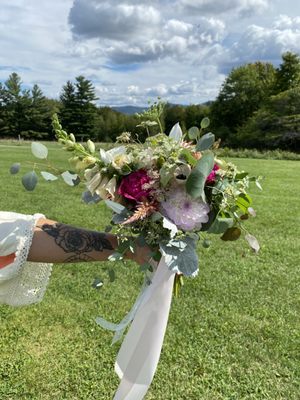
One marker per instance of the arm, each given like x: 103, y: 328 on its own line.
x: 54, y: 242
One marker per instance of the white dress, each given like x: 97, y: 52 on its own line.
x: 21, y: 282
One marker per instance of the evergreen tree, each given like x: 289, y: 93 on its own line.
x: 288, y: 73
x: 79, y: 113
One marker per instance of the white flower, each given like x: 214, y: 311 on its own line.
x: 107, y: 188
x: 186, y: 213
x: 108, y: 156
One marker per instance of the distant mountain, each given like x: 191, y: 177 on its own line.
x: 129, y: 109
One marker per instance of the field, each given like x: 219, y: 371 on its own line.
x: 233, y: 334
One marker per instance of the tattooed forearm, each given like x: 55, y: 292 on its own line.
x: 77, y: 241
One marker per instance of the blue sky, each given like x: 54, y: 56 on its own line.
x: 136, y: 50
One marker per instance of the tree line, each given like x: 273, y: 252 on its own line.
x: 258, y: 106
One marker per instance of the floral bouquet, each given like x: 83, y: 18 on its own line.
x: 168, y: 193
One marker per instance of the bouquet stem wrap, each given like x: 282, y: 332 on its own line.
x: 140, y: 351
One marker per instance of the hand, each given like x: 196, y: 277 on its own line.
x: 142, y: 255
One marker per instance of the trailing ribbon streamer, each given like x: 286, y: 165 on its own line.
x: 140, y: 351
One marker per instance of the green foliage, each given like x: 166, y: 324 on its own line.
x: 275, y: 125
x: 243, y: 92
x: 288, y: 73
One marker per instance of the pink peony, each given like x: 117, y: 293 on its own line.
x: 212, y: 176
x: 132, y: 185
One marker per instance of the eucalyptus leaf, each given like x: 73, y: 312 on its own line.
x: 15, y: 168
x: 115, y: 256
x: 197, y: 178
x: 205, y: 142
x: 70, y: 178
x: 193, y: 133
x: 116, y: 207
x: 88, y: 198
x: 30, y: 181
x: 205, y: 123
x: 253, y: 242
x: 181, y: 256
x: 39, y: 150
x: 48, y: 177
x: 231, y: 234
x: 170, y: 226
x: 166, y: 174
x: 220, y: 225
x: 112, y: 275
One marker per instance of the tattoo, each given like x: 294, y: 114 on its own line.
x: 77, y: 241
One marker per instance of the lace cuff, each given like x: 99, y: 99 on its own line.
x: 21, y: 282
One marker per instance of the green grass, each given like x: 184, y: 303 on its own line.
x: 233, y: 334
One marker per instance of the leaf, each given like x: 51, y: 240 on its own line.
x: 253, y: 242
x: 220, y: 225
x: 116, y: 207
x: 181, y: 256
x: 187, y: 155
x: 170, y: 226
x: 193, y: 132
x: 30, y: 181
x: 112, y: 275
x: 243, y: 201
x: 197, y: 178
x: 205, y: 142
x: 48, y: 177
x: 39, y: 150
x: 258, y: 185
x: 252, y: 212
x: 205, y: 123
x: 115, y: 257
x: 97, y: 284
x: 166, y: 174
x: 88, y: 198
x: 231, y: 234
x: 70, y: 178
x: 15, y: 168
x: 176, y: 133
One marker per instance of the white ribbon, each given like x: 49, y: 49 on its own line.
x: 140, y: 351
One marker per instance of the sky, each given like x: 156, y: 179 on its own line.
x: 136, y: 50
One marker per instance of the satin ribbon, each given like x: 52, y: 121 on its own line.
x: 140, y: 351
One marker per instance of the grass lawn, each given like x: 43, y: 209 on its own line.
x: 233, y: 334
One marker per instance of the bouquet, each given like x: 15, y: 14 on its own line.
x: 169, y: 193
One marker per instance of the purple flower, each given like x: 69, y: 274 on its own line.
x: 186, y: 213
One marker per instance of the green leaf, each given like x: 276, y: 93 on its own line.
x: 205, y: 142
x: 166, y: 174
x: 39, y: 150
x: 48, y: 177
x: 15, y: 168
x: 231, y: 234
x: 112, y: 275
x: 205, y: 122
x: 243, y: 202
x: 197, y: 178
x: 116, y: 207
x: 220, y: 225
x: 69, y: 178
x: 186, y: 154
x: 193, y: 133
x: 30, y: 181
x: 181, y: 256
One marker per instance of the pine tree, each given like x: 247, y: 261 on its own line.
x: 288, y: 73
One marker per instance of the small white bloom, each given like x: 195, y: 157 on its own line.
x: 108, y: 156
x: 107, y: 188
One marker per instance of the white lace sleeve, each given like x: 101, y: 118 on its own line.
x: 21, y: 282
